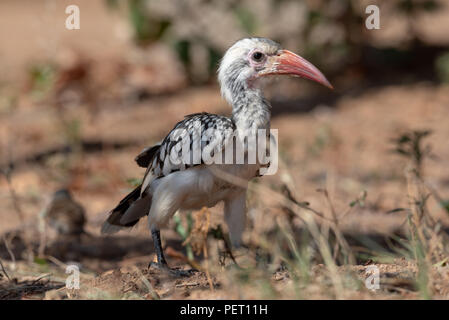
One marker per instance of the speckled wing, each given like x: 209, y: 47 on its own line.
x: 185, y: 145
x: 145, y: 157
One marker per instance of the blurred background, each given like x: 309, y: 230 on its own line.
x: 76, y: 107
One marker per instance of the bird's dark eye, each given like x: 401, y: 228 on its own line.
x: 257, y: 56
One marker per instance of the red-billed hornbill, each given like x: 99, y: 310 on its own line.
x: 174, y: 182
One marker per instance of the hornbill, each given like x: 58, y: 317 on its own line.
x: 173, y: 181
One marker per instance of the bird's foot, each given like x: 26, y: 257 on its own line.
x: 178, y: 273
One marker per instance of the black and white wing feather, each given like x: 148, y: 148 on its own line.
x: 198, y: 136
x: 145, y: 157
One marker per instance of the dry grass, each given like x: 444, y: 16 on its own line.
x: 357, y: 185
x: 312, y: 233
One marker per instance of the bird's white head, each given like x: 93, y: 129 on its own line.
x: 250, y: 59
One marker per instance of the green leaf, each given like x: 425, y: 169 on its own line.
x: 182, y: 48
x: 247, y: 19
x: 396, y: 210
x: 134, y: 182
x: 113, y: 4
x: 179, y: 228
x: 442, y: 67
x: 40, y: 261
x: 441, y: 263
x: 445, y: 205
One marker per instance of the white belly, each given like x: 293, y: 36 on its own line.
x: 197, y: 187
x: 211, y: 184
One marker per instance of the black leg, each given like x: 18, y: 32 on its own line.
x: 156, y: 234
x: 161, y: 263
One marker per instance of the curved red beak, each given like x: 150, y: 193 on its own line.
x: 290, y: 63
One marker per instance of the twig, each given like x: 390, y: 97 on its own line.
x: 190, y: 284
x: 15, y: 200
x: 42, y: 233
x: 333, y: 223
x: 148, y: 285
x: 4, y: 271
x: 7, y: 172
x: 11, y: 254
x: 331, y: 205
x: 45, y: 275
x: 57, y: 262
x: 206, y: 256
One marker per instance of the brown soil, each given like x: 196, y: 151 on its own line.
x: 344, y: 147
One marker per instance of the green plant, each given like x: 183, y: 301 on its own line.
x: 427, y: 243
x: 442, y: 67
x: 184, y: 231
x: 41, y: 78
x: 410, y: 145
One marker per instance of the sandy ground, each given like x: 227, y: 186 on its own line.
x: 344, y: 147
x: 318, y: 150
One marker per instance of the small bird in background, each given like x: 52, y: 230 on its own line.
x: 64, y: 214
x: 172, y: 182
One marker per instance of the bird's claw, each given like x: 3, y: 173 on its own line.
x: 172, y: 272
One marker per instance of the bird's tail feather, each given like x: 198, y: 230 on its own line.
x: 128, y: 212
